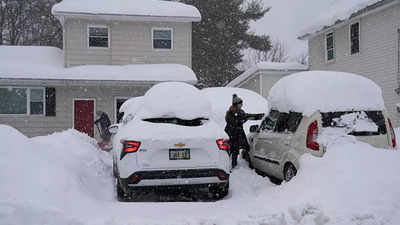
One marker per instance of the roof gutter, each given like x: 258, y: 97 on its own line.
x: 308, y: 36
x: 126, y: 17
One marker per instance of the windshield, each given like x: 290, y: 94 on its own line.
x: 177, y: 121
x: 361, y: 123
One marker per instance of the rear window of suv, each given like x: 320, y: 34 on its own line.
x: 177, y: 121
x: 281, y: 122
x: 373, y: 122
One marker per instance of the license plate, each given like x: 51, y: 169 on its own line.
x: 179, y: 154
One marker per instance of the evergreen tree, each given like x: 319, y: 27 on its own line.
x: 221, y: 35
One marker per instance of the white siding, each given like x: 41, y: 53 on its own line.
x: 131, y: 43
x: 378, y: 57
x: 104, y: 96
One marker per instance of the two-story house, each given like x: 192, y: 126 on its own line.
x: 366, y: 42
x: 112, y: 50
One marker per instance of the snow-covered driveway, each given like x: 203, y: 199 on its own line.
x: 64, y: 179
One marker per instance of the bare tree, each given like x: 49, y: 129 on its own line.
x: 29, y: 22
x: 276, y: 53
x: 302, y: 59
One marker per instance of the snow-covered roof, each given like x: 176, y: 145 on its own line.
x: 308, y: 92
x: 47, y: 63
x: 144, y: 10
x: 267, y: 67
x: 342, y: 11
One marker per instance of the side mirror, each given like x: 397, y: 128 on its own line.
x: 113, y: 128
x: 254, y: 129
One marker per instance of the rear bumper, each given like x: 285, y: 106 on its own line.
x: 202, y: 178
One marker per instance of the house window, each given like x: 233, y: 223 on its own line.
x: 21, y: 101
x: 98, y: 37
x: 162, y: 38
x: 355, y: 38
x: 330, y: 47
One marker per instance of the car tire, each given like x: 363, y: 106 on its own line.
x: 121, y: 195
x: 289, y: 172
x: 251, y: 166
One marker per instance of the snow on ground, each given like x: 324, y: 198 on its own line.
x: 306, y: 92
x: 64, y: 179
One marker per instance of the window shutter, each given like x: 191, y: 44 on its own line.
x: 50, y: 101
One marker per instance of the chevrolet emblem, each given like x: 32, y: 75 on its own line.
x: 180, y: 145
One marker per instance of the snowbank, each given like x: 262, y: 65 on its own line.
x: 64, y: 179
x: 308, y: 92
x: 146, y: 8
x: 47, y: 63
x: 339, y: 10
x: 43, y: 177
x: 174, y: 100
x: 221, y: 100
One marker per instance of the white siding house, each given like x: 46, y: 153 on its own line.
x: 261, y: 77
x: 365, y: 43
x: 113, y: 50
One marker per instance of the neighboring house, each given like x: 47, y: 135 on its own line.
x: 261, y: 77
x: 113, y: 50
x: 366, y: 42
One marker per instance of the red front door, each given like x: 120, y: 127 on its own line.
x: 84, y: 116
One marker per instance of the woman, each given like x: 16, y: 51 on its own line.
x: 235, y: 118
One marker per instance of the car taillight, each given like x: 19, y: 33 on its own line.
x: 135, y: 179
x: 393, y: 134
x: 222, y: 175
x: 223, y: 144
x: 312, y: 136
x: 129, y: 147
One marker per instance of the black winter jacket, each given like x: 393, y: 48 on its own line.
x: 235, y: 118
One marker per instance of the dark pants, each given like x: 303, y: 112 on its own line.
x: 235, y: 154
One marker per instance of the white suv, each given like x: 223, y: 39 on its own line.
x: 280, y: 140
x: 173, y: 143
x: 305, y: 104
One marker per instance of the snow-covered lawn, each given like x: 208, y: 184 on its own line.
x: 64, y: 179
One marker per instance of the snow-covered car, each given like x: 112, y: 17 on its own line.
x: 221, y: 99
x: 169, y: 140
x: 305, y: 104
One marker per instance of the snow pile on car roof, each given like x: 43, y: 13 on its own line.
x: 174, y: 100
x: 148, y: 8
x: 308, y: 92
x: 221, y: 100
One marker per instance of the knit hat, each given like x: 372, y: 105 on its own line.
x: 236, y: 100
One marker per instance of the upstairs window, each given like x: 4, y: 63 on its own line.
x: 162, y: 38
x: 98, y: 36
x: 330, y: 47
x: 355, y: 38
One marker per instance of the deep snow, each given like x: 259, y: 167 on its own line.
x: 64, y: 179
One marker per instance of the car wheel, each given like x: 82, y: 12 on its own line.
x: 251, y: 166
x: 121, y: 195
x: 289, y: 172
